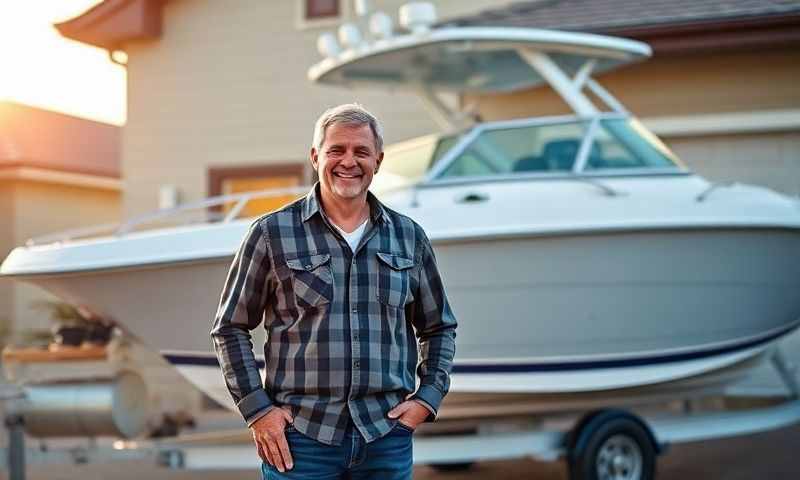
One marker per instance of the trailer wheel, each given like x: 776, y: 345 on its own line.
x: 612, y: 445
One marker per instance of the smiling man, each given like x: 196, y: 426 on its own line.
x: 353, y: 306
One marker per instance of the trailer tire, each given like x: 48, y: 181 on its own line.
x: 613, y: 445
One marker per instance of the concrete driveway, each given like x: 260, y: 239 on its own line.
x: 774, y: 456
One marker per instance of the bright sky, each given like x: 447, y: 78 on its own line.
x: 41, y: 68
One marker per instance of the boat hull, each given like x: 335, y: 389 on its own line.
x: 531, y: 304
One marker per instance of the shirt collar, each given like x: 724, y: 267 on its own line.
x: 311, y: 206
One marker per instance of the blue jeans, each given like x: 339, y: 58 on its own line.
x: 387, y: 458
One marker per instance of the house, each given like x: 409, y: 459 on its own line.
x: 721, y: 88
x: 57, y: 173
x: 218, y: 100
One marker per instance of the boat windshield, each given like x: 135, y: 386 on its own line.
x: 412, y: 159
x: 617, y: 144
x: 625, y: 143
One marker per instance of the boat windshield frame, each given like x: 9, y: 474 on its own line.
x: 434, y: 176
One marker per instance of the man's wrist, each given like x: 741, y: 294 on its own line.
x: 424, y: 404
x: 431, y: 398
x: 254, y: 405
x: 259, y: 415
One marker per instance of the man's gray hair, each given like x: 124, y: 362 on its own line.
x: 347, y: 114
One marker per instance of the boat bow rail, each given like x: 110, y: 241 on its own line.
x: 150, y: 239
x: 207, y: 211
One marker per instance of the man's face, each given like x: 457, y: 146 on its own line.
x: 347, y: 161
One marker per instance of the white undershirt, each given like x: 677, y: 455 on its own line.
x: 353, y: 237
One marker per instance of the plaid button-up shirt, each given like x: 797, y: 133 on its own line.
x: 343, y: 328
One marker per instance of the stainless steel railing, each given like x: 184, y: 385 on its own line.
x: 204, y: 211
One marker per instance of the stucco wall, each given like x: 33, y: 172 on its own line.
x: 42, y: 208
x: 225, y: 85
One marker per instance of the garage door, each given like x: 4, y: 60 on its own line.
x: 768, y: 159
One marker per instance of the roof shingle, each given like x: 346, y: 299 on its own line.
x: 606, y: 16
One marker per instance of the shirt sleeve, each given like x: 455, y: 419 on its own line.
x: 241, y: 309
x: 435, y: 327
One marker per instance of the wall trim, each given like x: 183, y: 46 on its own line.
x: 44, y: 175
x: 760, y: 121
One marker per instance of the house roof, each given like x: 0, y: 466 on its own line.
x: 32, y: 137
x: 609, y: 15
x: 111, y: 23
x: 668, y: 25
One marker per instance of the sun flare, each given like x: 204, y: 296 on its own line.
x: 39, y: 67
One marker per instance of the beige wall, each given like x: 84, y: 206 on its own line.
x: 684, y: 85
x: 226, y: 85
x: 767, y: 159
x: 6, y: 242
x: 43, y: 208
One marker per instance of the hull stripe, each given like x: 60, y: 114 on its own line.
x: 208, y: 360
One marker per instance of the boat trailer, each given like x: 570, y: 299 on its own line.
x: 619, y: 442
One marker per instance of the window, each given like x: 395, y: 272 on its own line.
x: 537, y: 148
x: 623, y: 143
x: 618, y: 143
x: 317, y: 9
x: 231, y: 180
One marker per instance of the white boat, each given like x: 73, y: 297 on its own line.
x: 585, y: 264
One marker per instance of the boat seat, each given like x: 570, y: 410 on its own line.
x: 613, y: 162
x: 533, y: 163
x: 558, y: 155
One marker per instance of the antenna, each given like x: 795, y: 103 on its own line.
x: 350, y: 36
x: 327, y: 45
x: 418, y: 17
x: 361, y: 7
x: 380, y: 25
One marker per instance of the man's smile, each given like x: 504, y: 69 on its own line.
x: 347, y: 175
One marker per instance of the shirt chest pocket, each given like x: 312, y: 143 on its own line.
x: 312, y: 280
x: 394, y: 279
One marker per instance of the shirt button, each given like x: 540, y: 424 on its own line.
x: 355, y: 336
x: 355, y: 310
x: 356, y: 364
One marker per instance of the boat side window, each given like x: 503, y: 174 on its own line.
x: 504, y: 151
x: 624, y: 143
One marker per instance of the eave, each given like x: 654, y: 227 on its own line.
x: 774, y: 31
x: 22, y: 171
x: 112, y: 23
